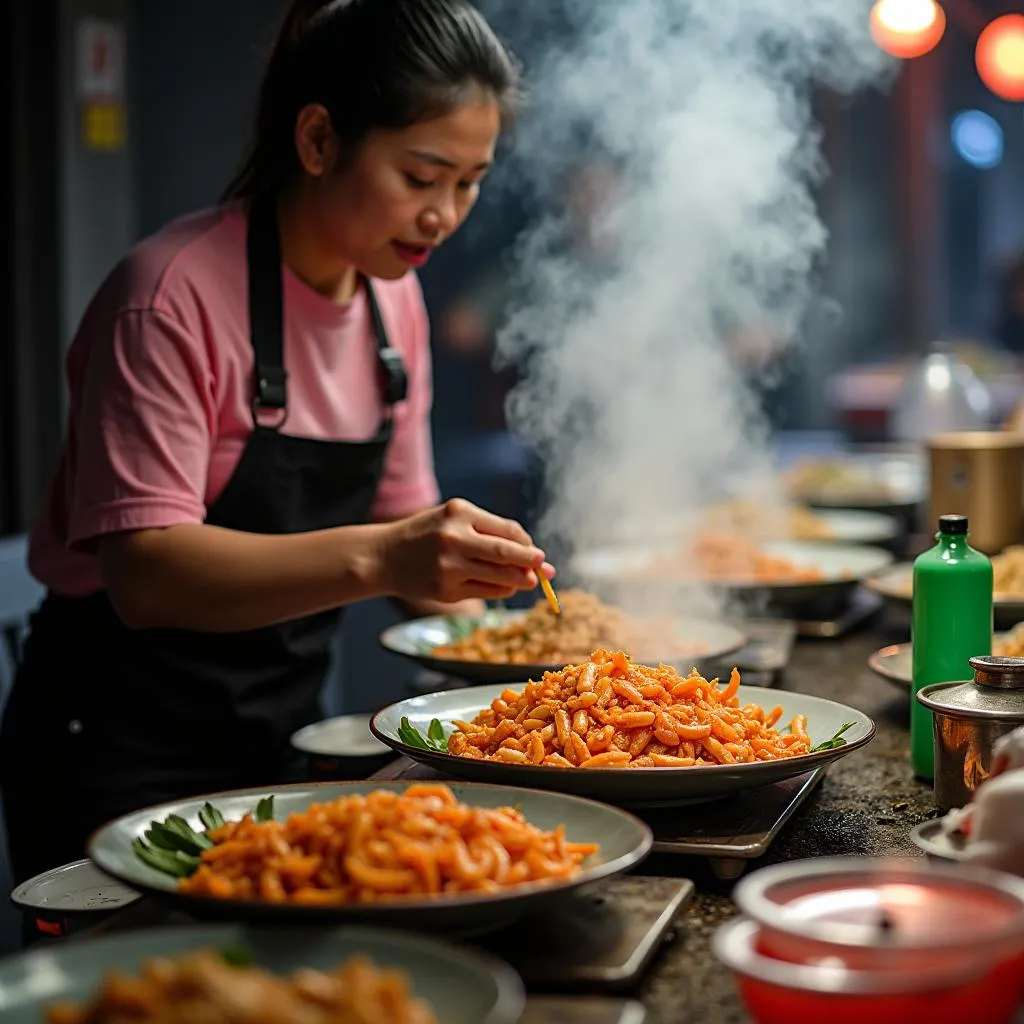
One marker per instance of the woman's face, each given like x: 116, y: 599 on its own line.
x: 407, y: 190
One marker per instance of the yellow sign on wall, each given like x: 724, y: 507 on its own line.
x: 103, y: 126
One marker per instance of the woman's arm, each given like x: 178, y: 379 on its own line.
x: 211, y: 579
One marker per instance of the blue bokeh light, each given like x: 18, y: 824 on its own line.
x: 977, y: 138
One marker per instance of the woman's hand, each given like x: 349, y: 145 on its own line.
x: 458, y: 551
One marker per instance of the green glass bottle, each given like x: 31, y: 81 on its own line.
x: 952, y: 623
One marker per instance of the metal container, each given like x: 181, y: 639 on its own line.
x: 980, y: 474
x: 969, y: 717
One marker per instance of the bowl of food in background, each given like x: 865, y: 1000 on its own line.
x: 891, y: 482
x: 895, y: 584
x: 757, y: 521
x: 509, y: 645
x: 803, y: 579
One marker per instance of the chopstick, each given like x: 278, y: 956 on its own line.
x: 549, y: 593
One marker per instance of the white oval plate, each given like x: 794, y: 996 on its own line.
x: 76, y: 888
x: 858, y: 526
x: 711, y: 641
x: 876, y: 480
x: 896, y: 584
x: 462, y: 986
x: 625, y: 841
x: 895, y: 663
x: 627, y: 786
x: 344, y: 736
x: 936, y: 842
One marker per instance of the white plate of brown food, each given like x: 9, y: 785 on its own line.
x: 229, y: 973
x: 896, y: 585
x: 428, y: 856
x: 756, y: 521
x: 890, y: 481
x: 507, y: 645
x: 631, y: 734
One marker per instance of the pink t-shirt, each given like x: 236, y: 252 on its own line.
x: 161, y: 380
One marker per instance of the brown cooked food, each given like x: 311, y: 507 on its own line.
x: 610, y: 712
x: 1008, y: 571
x: 758, y: 522
x: 1010, y: 645
x: 585, y: 625
x: 203, y: 988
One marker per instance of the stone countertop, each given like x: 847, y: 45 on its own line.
x: 867, y: 804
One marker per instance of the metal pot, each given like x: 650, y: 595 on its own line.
x: 968, y: 717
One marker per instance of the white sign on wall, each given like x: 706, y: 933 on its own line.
x: 100, y: 60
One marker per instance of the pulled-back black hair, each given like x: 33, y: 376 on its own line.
x: 371, y: 64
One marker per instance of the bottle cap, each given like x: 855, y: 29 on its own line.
x: 953, y: 524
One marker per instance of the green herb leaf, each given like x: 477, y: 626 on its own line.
x: 175, y: 863
x: 238, y: 956
x: 410, y: 736
x: 836, y: 741
x: 265, y: 809
x: 435, y: 740
x: 211, y: 817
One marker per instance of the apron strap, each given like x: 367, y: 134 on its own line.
x: 266, y: 322
x: 266, y: 309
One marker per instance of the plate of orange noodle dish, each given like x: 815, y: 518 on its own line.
x: 507, y: 645
x: 233, y: 974
x: 624, y: 732
x: 418, y: 854
x: 789, y: 571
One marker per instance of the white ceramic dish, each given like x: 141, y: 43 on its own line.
x: 624, y: 840
x: 626, y: 786
x: 461, y: 986
x: 710, y: 641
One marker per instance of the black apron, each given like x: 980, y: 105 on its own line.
x: 103, y: 720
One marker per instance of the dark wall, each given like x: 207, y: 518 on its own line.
x: 197, y: 69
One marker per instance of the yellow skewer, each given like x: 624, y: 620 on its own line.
x: 549, y: 593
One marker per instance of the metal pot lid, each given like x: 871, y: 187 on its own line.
x: 971, y: 701
x: 1000, y: 673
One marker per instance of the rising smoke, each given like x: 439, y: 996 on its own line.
x: 699, y: 114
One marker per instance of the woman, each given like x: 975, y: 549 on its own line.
x: 248, y: 447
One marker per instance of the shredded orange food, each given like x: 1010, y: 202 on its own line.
x: 611, y: 713
x: 202, y: 988
x: 584, y: 625
x: 385, y: 845
x: 727, y: 558
x: 732, y: 559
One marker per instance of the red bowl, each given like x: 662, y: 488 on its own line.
x: 885, y: 915
x: 781, y: 992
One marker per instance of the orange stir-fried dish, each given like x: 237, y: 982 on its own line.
x: 728, y: 558
x: 584, y: 625
x: 203, y: 988
x: 384, y: 845
x: 609, y: 712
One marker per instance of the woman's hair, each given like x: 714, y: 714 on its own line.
x: 371, y: 64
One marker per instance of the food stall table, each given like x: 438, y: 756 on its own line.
x: 867, y: 804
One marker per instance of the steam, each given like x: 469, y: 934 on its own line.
x: 697, y: 114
